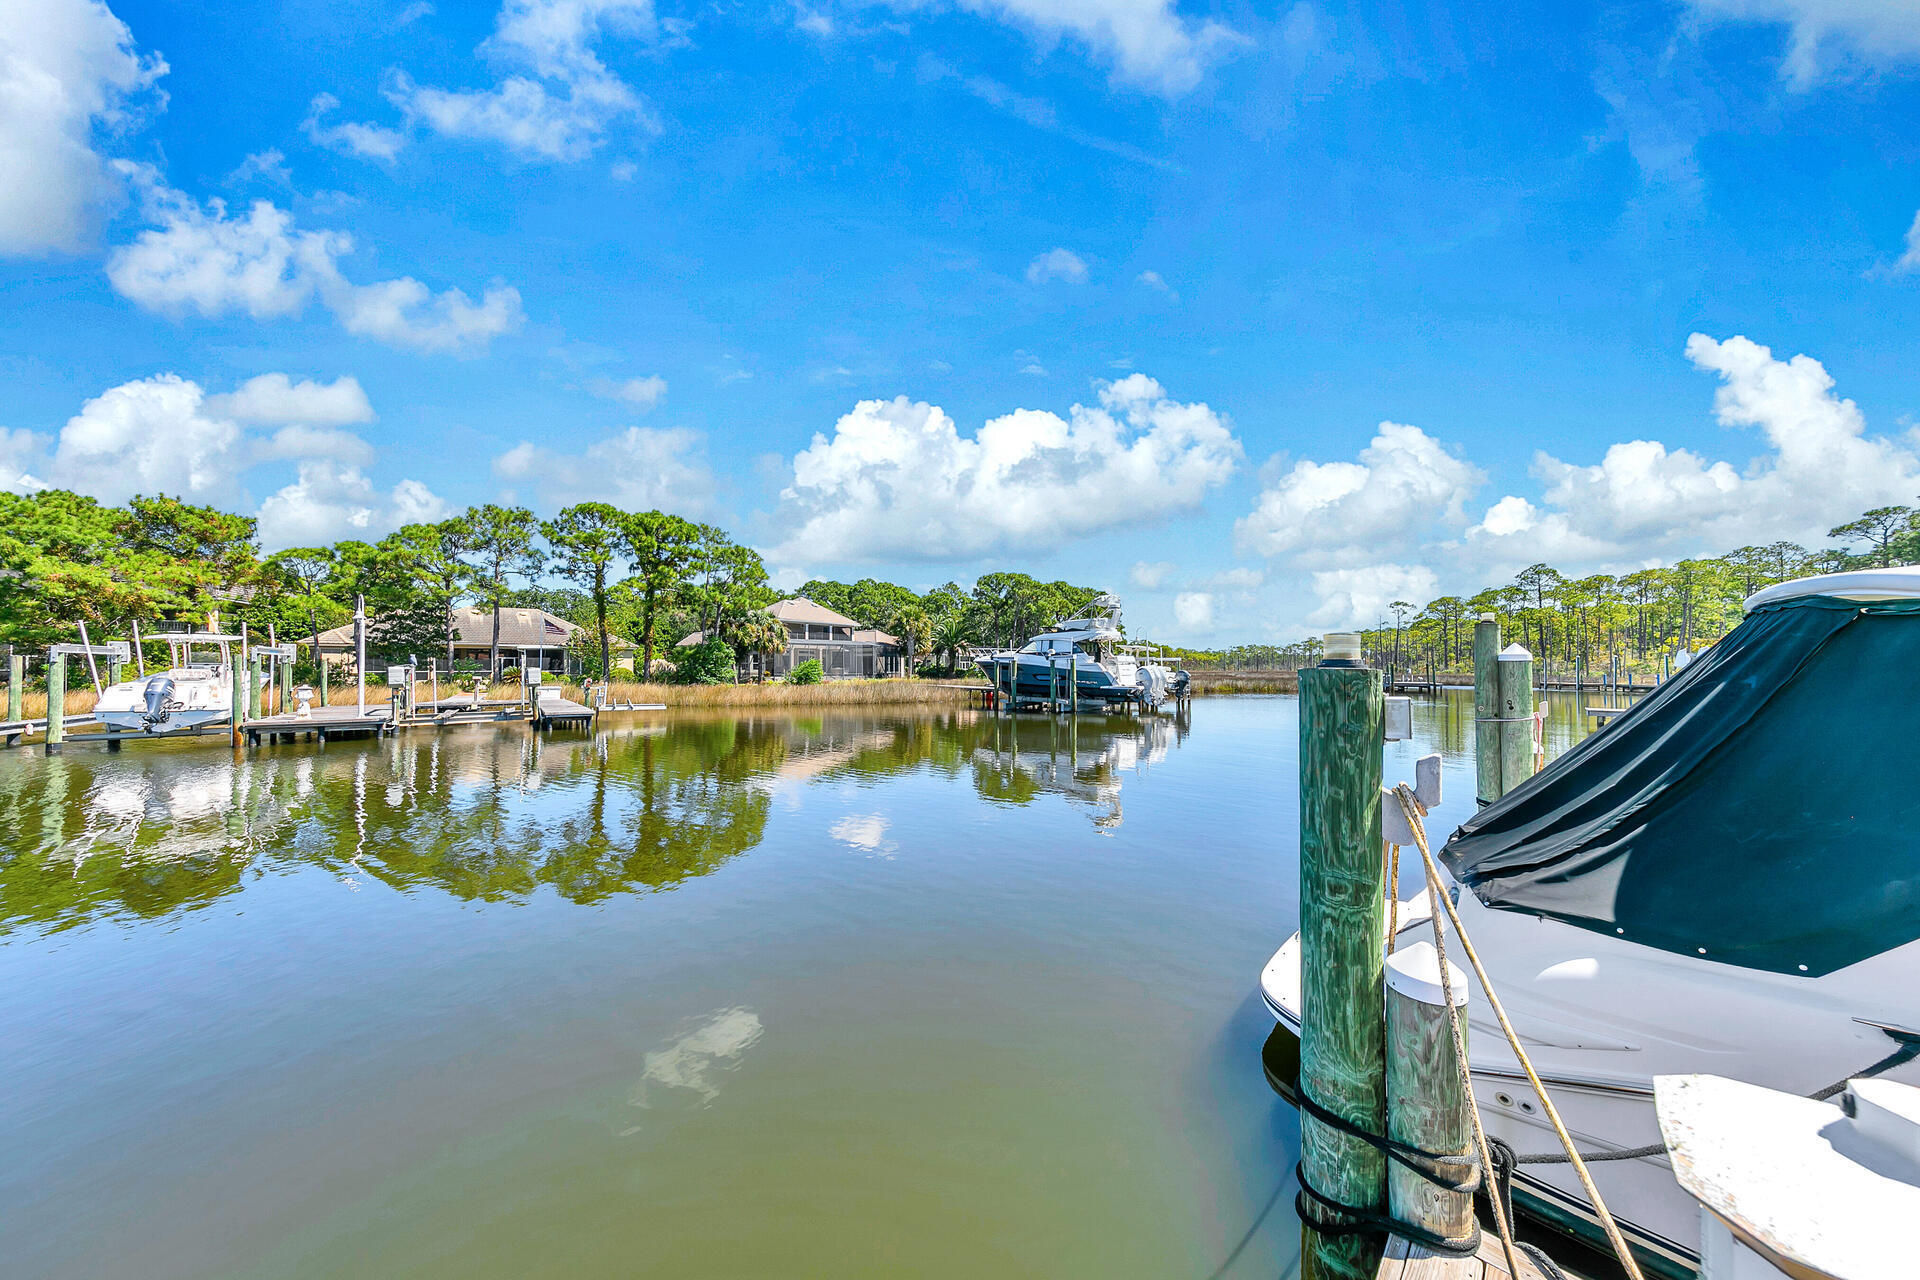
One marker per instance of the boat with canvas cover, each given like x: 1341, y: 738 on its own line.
x: 1723, y: 881
x: 196, y: 688
x: 1090, y: 652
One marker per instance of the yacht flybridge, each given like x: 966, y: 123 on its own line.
x: 1089, y: 654
x: 1723, y: 881
x: 196, y: 688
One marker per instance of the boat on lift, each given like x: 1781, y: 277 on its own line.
x: 1725, y: 881
x: 1089, y: 652
x: 196, y: 688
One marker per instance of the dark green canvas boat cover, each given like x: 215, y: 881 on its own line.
x: 1761, y: 808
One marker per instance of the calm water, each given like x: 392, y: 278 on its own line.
x: 858, y: 995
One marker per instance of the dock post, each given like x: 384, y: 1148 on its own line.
x: 1073, y: 683
x: 1514, y: 684
x: 1486, y: 704
x: 56, y: 702
x: 239, y: 699
x: 16, y: 686
x: 1426, y: 1099
x: 253, y: 686
x: 1053, y: 683
x: 1342, y: 950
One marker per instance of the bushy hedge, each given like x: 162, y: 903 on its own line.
x: 709, y: 662
x: 807, y: 672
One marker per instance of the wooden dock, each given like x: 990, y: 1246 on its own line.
x: 320, y: 724
x: 551, y: 709
x: 1407, y: 1261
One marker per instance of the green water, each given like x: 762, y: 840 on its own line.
x: 852, y: 995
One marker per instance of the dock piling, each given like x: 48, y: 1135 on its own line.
x: 16, y: 687
x: 56, y: 702
x: 1342, y: 943
x: 1426, y: 1099
x: 1486, y: 703
x: 239, y: 704
x: 1514, y: 685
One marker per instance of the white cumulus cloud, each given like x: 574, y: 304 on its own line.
x: 330, y: 501
x: 1147, y: 43
x: 897, y: 477
x: 68, y: 71
x: 1404, y: 482
x: 276, y: 399
x: 209, y: 261
x: 1193, y: 610
x: 165, y: 434
x: 1643, y: 501
x: 1057, y: 264
x: 637, y: 469
x: 369, y: 141
x: 1151, y: 574
x: 1360, y: 596
x: 560, y: 100
x: 641, y: 393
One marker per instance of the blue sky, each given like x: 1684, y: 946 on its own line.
x: 1261, y: 316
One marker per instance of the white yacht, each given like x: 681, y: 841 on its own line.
x: 1089, y: 652
x: 1724, y: 881
x: 196, y: 688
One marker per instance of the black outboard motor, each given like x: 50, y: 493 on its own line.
x: 1181, y: 680
x: 159, y: 689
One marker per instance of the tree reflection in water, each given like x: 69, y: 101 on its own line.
x: 493, y: 815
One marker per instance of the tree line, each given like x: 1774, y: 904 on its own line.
x: 641, y: 578
x: 1591, y: 625
x: 630, y: 580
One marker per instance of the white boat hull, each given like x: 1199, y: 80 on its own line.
x: 167, y: 701
x: 135, y: 721
x: 1600, y: 1017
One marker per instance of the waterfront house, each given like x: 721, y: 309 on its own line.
x: 844, y: 648
x: 528, y: 638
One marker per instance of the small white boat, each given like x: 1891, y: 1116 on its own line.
x: 1723, y: 881
x: 196, y: 689
x: 1086, y: 655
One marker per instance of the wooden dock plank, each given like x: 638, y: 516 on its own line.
x: 1405, y: 1260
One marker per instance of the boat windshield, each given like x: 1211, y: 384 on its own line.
x: 1061, y: 645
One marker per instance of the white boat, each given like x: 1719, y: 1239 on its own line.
x: 1089, y: 654
x: 195, y: 689
x: 1723, y: 881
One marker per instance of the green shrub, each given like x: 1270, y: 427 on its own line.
x: 807, y: 672
x: 509, y: 675
x: 709, y: 662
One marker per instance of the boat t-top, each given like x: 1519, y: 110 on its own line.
x: 1725, y: 880
x: 195, y: 689
x: 1089, y: 652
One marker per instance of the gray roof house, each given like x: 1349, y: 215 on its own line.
x: 528, y: 637
x: 845, y: 649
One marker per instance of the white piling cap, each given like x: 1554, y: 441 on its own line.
x: 1414, y: 971
x: 1515, y: 653
x: 1341, y: 646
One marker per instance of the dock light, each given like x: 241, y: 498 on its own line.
x: 1340, y: 649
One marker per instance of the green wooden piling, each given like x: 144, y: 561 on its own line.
x: 56, y: 703
x: 1426, y: 1098
x: 16, y: 686
x: 239, y: 711
x: 253, y: 686
x: 1073, y: 680
x: 1486, y: 703
x: 1342, y: 940
x: 323, y: 677
x: 1515, y: 685
x: 286, y: 684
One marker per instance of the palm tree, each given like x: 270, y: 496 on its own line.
x: 915, y: 630
x: 755, y: 632
x: 952, y: 633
